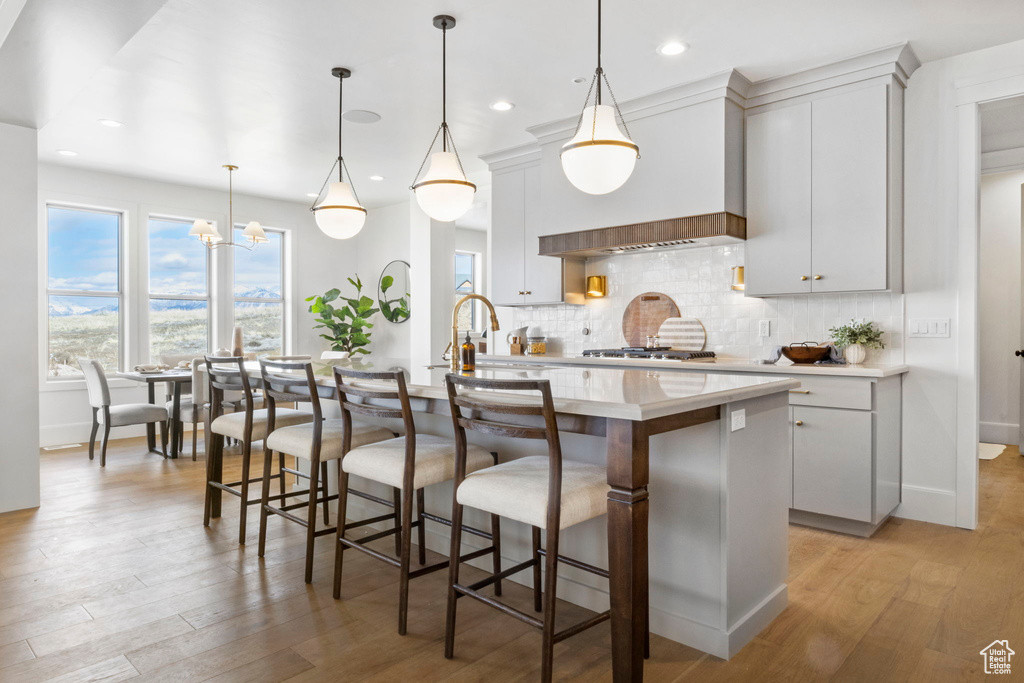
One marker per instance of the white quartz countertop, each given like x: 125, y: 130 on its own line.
x: 624, y: 393
x: 783, y: 367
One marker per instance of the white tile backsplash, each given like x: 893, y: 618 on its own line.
x: 699, y: 281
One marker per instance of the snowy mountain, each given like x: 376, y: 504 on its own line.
x: 72, y: 305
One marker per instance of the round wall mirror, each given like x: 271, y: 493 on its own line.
x: 393, y: 292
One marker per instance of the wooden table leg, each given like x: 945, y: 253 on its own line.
x: 628, y: 475
x: 175, y: 418
x: 216, y: 468
x: 151, y: 427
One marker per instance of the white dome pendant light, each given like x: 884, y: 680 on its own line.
x: 339, y: 215
x: 600, y: 157
x: 444, y: 193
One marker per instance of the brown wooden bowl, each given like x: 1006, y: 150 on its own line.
x: 805, y: 355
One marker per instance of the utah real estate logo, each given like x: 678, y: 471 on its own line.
x: 997, y: 657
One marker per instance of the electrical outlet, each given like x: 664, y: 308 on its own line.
x: 764, y: 328
x: 739, y: 419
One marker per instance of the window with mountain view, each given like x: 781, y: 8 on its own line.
x: 83, y: 289
x: 179, y: 292
x: 259, y: 293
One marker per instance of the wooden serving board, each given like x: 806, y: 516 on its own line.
x: 683, y: 334
x: 644, y: 316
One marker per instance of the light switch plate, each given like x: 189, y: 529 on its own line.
x: 764, y: 328
x: 929, y: 327
x: 739, y: 419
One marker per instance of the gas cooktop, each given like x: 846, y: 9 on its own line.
x: 658, y: 353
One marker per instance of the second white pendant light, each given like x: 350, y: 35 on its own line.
x: 600, y: 157
x: 339, y: 215
x: 444, y: 193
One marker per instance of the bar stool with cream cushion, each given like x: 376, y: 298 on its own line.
x: 116, y: 416
x: 248, y: 424
x: 543, y: 491
x: 317, y: 442
x: 409, y: 463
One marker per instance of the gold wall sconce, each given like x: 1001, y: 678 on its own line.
x: 597, y: 286
x: 737, y: 278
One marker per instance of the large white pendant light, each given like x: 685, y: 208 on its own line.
x: 600, y: 157
x: 339, y: 215
x: 444, y: 193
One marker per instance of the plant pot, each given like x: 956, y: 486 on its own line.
x: 855, y: 354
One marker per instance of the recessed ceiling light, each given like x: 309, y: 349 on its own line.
x: 111, y: 123
x: 672, y: 48
x: 67, y: 153
x: 376, y: 177
x: 502, y: 105
x: 579, y: 79
x: 314, y: 195
x: 361, y: 116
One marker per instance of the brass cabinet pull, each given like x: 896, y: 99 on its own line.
x: 528, y: 292
x: 521, y: 292
x: 799, y: 423
x: 817, y: 277
x: 799, y: 391
x: 803, y: 277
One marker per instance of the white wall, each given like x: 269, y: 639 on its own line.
x: 999, y: 306
x: 315, y: 261
x: 19, y: 453
x: 930, y: 276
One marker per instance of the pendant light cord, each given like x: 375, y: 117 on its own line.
x: 600, y: 71
x: 444, y: 84
x: 341, y: 111
x: 231, y: 205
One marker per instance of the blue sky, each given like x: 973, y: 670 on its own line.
x: 83, y: 245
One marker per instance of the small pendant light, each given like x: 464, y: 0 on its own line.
x: 209, y: 235
x: 339, y: 215
x: 444, y: 193
x: 600, y: 157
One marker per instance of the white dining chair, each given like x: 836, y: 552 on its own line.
x: 116, y: 416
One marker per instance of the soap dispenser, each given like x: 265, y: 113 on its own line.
x: 468, y: 355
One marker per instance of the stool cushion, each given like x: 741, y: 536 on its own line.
x: 519, y: 490
x: 233, y: 424
x: 298, y: 440
x: 134, y: 414
x: 384, y: 461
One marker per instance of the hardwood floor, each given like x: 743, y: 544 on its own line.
x: 114, y: 577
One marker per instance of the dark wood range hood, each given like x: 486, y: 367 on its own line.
x: 673, y: 233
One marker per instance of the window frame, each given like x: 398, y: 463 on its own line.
x: 120, y: 294
x: 476, y: 306
x: 283, y: 300
x: 150, y: 295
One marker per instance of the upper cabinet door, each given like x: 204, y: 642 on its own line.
x: 543, y: 280
x: 849, y: 143
x: 508, y: 220
x: 778, y: 246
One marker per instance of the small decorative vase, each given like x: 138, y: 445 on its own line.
x: 236, y: 342
x: 854, y: 354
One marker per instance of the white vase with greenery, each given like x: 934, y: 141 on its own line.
x: 855, y: 339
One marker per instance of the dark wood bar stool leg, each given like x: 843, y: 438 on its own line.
x: 244, y: 512
x: 496, y: 557
x: 535, y: 542
x: 268, y: 458
x: 421, y: 528
x: 339, y: 547
x: 396, y: 496
x: 453, y: 579
x: 550, y: 579
x: 404, y: 559
x: 323, y: 483
x: 280, y: 466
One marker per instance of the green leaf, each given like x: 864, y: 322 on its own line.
x: 332, y: 294
x: 310, y: 298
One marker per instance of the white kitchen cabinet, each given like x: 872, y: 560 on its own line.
x: 778, y: 250
x: 832, y: 462
x: 846, y: 452
x: 824, y: 192
x: 520, y: 276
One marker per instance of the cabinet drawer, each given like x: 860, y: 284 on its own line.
x: 832, y: 392
x: 832, y: 462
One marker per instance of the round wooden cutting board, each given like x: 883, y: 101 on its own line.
x: 644, y: 316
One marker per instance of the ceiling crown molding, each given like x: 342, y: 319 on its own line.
x: 727, y: 84
x: 898, y: 61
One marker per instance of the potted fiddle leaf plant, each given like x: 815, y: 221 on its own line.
x: 348, y: 325
x: 855, y: 338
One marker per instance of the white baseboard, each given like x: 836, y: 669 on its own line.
x: 78, y: 432
x: 927, y: 505
x: 999, y: 432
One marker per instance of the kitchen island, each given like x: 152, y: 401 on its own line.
x: 697, y: 511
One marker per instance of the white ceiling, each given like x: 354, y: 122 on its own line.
x: 1002, y: 124
x: 202, y: 83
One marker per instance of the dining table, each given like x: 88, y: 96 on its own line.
x: 174, y: 378
x: 721, y: 535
